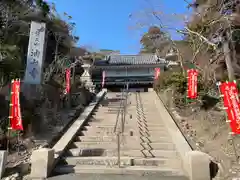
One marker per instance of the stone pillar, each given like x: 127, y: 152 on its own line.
x: 42, y: 161
x: 3, y: 162
x: 197, y: 165
x: 86, y: 77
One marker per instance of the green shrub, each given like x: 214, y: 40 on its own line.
x: 171, y: 79
x: 178, y: 81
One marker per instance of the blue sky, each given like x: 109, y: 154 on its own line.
x: 105, y: 24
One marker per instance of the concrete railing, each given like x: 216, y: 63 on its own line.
x: 196, y: 164
x: 44, y: 160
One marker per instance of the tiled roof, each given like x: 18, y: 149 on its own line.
x: 134, y: 59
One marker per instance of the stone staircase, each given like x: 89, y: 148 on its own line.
x: 146, y: 146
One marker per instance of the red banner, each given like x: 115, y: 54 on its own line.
x: 68, y: 74
x: 15, y: 110
x: 157, y: 73
x: 235, y: 90
x: 231, y: 102
x: 103, y: 78
x: 192, y: 83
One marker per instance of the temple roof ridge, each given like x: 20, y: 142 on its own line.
x: 147, y: 54
x: 134, y: 59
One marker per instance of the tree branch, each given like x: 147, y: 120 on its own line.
x: 201, y: 37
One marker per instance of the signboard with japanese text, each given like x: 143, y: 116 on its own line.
x: 231, y: 102
x: 192, y: 83
x: 157, y: 73
x: 68, y: 80
x: 35, y: 56
x: 15, y: 110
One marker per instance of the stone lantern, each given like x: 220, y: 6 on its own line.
x: 171, y: 55
x: 86, y: 76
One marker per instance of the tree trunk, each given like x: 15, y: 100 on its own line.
x: 56, y: 52
x: 181, y: 62
x: 228, y: 61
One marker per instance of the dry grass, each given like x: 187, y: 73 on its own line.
x: 210, y: 133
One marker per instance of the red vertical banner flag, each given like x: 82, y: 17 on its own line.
x: 229, y: 92
x: 103, y: 78
x: 192, y: 83
x: 156, y: 73
x: 68, y: 74
x: 235, y: 90
x: 15, y: 109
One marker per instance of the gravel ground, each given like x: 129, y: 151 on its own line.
x: 18, y: 162
x: 208, y: 131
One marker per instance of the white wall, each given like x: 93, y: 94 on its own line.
x: 130, y: 72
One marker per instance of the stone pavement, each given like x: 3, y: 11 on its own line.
x: 114, y: 177
x: 145, y: 145
x: 150, y: 146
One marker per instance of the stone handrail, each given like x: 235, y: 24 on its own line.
x: 44, y: 160
x: 196, y: 164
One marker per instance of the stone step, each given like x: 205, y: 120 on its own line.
x: 101, y: 126
x: 105, y: 117
x: 129, y: 139
x: 140, y: 170
x: 147, y: 118
x: 154, y: 133
x: 103, y: 133
x: 110, y: 123
x: 126, y: 128
x: 99, y: 151
x: 95, y: 151
x: 150, y: 124
x: 97, y: 129
x: 158, y: 146
x: 124, y: 161
x: 126, y: 133
x: 155, y: 139
x: 138, y: 176
x: 104, y: 128
x: 153, y: 127
x: 103, y: 110
x: 97, y: 161
x: 106, y: 145
x: 125, y: 141
x: 161, y: 162
x: 153, y: 121
x: 106, y: 138
x: 111, y: 110
x: 107, y: 112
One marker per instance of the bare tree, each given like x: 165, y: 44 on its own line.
x: 210, y: 31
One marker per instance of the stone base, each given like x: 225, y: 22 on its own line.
x: 42, y: 161
x: 196, y: 164
x: 3, y: 161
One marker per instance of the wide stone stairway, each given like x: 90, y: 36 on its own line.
x: 146, y: 148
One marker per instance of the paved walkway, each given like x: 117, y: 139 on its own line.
x: 146, y: 146
x: 113, y: 177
